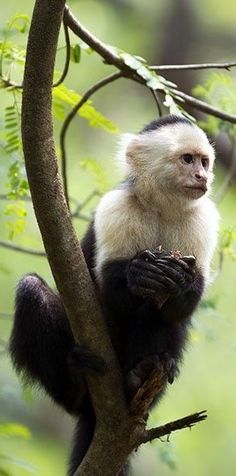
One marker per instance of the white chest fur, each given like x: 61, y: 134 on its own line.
x: 123, y: 228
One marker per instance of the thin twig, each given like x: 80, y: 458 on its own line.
x: 100, y: 84
x: 67, y: 61
x: 181, y: 67
x: 22, y: 249
x: 185, y: 422
x: 202, y: 106
x: 5, y: 315
x: 5, y: 196
x: 155, y: 96
x: 10, y: 84
x: 77, y: 212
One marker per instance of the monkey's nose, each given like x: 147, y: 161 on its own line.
x: 200, y: 178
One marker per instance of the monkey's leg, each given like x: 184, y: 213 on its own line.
x: 42, y: 346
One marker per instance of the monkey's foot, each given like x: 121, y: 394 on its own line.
x: 142, y: 371
x: 81, y: 362
x: 170, y: 366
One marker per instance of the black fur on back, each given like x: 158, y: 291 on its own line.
x: 165, y: 121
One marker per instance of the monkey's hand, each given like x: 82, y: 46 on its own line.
x: 158, y: 274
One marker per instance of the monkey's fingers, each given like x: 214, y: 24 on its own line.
x: 149, y: 256
x: 177, y: 274
x: 190, y: 260
x: 178, y: 265
x: 149, y: 285
x: 139, y: 266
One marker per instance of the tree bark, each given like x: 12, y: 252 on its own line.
x: 61, y: 244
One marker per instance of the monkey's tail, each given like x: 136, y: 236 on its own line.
x: 83, y: 436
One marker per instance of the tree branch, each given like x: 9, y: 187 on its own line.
x: 156, y: 99
x: 191, y: 67
x: 203, y: 106
x: 114, y: 59
x: 141, y: 402
x: 10, y: 84
x: 67, y: 61
x: 186, y: 422
x: 100, y: 84
x: 64, y: 253
x: 22, y: 249
x: 106, y: 53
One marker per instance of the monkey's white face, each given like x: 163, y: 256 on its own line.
x: 193, y: 175
x: 176, y: 159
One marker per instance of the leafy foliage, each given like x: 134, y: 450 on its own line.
x: 220, y: 91
x: 228, y: 242
x: 156, y: 82
x: 12, y: 59
x: 63, y: 97
x: 75, y: 53
x: 97, y: 170
x: 14, y: 429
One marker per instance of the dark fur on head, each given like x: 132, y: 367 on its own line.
x: 165, y: 121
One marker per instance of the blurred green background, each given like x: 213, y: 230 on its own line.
x: 164, y: 31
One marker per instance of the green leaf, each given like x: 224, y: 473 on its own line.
x: 75, y: 53
x: 130, y: 60
x: 86, y: 48
x: 15, y: 209
x: 15, y: 228
x: 17, y: 185
x: 220, y: 91
x: 14, y: 429
x: 98, y: 171
x: 228, y: 242
x: 19, y: 22
x: 63, y: 95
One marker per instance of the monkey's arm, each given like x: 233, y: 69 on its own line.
x: 130, y: 285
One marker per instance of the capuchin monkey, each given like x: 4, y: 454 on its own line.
x: 148, y: 251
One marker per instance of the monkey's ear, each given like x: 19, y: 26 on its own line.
x: 126, y: 147
x: 133, y: 149
x: 130, y: 148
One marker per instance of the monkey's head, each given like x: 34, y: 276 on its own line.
x: 171, y: 155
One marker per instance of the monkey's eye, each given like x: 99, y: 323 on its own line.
x: 187, y: 158
x: 205, y: 163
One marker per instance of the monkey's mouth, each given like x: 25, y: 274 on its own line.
x: 196, y: 191
x: 198, y: 188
